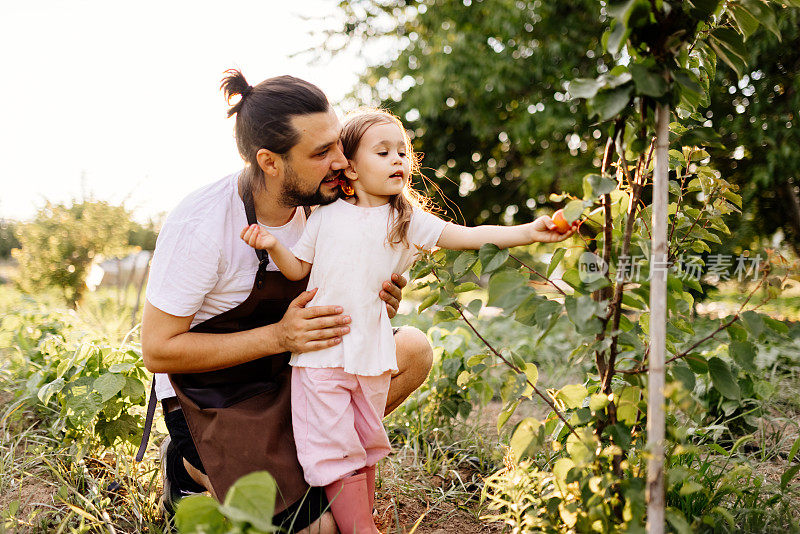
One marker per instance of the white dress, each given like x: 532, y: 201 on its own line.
x: 348, y: 248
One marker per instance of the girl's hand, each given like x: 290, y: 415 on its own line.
x: 258, y: 237
x: 544, y: 230
x: 392, y: 293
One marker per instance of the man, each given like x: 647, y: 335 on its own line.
x: 213, y: 307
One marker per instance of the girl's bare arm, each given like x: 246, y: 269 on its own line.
x: 542, y: 230
x: 291, y: 267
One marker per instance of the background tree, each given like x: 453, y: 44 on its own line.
x: 481, y: 86
x: 8, y: 238
x: 757, y: 118
x: 58, y: 245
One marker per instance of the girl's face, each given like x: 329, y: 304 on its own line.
x: 381, y: 165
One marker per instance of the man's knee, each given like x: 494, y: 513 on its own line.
x: 414, y: 359
x: 414, y: 354
x: 324, y: 525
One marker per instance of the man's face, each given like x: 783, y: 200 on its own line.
x: 312, y: 166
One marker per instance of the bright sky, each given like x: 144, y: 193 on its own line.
x: 122, y: 101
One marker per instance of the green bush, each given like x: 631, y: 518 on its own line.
x: 58, y: 245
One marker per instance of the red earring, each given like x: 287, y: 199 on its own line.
x: 346, y: 187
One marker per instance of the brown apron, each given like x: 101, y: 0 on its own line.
x: 240, y: 416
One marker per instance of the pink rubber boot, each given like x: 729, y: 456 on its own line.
x: 369, y: 473
x: 350, y: 505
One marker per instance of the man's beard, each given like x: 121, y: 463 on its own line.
x: 292, y: 195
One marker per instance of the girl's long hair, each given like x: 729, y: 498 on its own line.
x: 356, y: 124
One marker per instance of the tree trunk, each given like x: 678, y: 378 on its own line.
x: 658, y: 328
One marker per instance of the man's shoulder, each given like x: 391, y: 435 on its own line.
x: 207, y: 205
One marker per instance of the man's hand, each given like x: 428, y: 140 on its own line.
x: 392, y: 293
x: 307, y: 329
x: 258, y: 237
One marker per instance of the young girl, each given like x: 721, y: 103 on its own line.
x: 350, y: 247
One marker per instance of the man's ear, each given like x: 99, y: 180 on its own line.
x: 350, y: 172
x: 269, y: 162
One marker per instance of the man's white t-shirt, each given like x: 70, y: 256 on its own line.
x: 200, y: 265
x: 348, y: 248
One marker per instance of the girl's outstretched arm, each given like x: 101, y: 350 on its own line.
x: 542, y: 230
x: 291, y: 267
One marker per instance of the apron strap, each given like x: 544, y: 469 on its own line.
x: 263, y: 259
x: 148, y: 422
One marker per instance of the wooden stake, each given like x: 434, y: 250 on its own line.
x: 658, y: 327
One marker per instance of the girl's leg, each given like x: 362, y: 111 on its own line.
x: 369, y: 402
x: 328, y: 446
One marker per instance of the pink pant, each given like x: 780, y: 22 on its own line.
x: 337, y: 420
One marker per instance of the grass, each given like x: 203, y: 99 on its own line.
x: 430, y: 484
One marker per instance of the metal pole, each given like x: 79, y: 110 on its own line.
x: 658, y: 328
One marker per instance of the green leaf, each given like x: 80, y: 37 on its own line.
x: 47, y: 390
x: 704, y: 8
x: 447, y: 314
x: 620, y: 10
x: 581, y: 447
x: 744, y: 20
x: 474, y: 307
x: 134, y: 389
x: 732, y: 41
x: 532, y: 374
x: 82, y: 408
x: 689, y: 487
x: 620, y: 434
x: 573, y: 210
x: 793, y: 451
x: 648, y: 82
x: 508, y: 411
x: 734, y: 62
x: 464, y: 262
x: 609, y: 103
x: 508, y: 289
x: 547, y: 312
x: 492, y: 257
x: 526, y: 438
x: 687, y: 80
x: 124, y: 427
x: 753, y: 322
x: 108, y: 385
x: 722, y: 379
x: 598, y: 401
x: 121, y: 367
x: 615, y: 38
x: 558, y: 255
x: 199, y: 514
x: 583, y: 87
x: 628, y: 405
x: 572, y: 395
x: 251, y: 499
x: 764, y: 14
x: 466, y: 286
x: 463, y: 378
x: 788, y: 475
x: 744, y: 355
x: 677, y: 520
x: 685, y: 375
x: 595, y: 186
x: 701, y: 136
x: 428, y: 301
x: 572, y: 278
